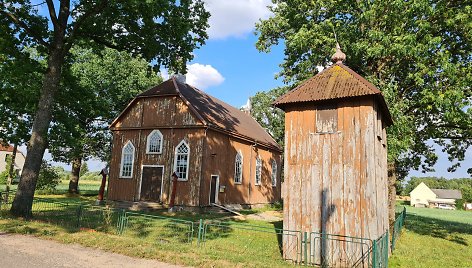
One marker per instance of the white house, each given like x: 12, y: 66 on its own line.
x: 5, y: 153
x: 423, y: 196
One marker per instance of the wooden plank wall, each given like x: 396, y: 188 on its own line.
x: 220, y: 159
x: 336, y: 182
x: 176, y: 123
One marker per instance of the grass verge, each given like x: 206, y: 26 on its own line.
x: 224, y: 248
x: 434, y: 238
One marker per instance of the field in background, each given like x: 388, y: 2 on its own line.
x: 434, y: 238
x: 86, y: 187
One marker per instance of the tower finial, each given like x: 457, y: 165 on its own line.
x: 339, y: 56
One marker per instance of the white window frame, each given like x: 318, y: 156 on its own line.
x: 240, y: 181
x: 123, y: 157
x: 258, y: 171
x: 148, y: 143
x: 274, y: 173
x: 188, y: 160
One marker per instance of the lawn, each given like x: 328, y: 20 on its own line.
x: 434, y: 238
x: 430, y: 238
x: 234, y: 244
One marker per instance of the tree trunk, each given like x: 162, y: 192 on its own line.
x: 75, y: 175
x: 11, y: 169
x: 38, y: 142
x: 392, y: 192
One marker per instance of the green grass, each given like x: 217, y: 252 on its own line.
x: 227, y: 245
x: 434, y: 238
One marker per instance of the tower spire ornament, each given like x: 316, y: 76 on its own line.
x: 339, y: 56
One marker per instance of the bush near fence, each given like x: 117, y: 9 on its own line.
x: 210, y: 236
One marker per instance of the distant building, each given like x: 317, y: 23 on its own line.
x: 423, y: 196
x: 5, y: 153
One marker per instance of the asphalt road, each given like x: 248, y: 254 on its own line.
x: 20, y: 251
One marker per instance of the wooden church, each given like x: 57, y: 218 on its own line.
x: 220, y: 154
x: 335, y: 160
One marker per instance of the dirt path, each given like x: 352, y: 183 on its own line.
x: 25, y: 251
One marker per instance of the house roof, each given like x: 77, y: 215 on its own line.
x: 447, y: 194
x: 213, y: 112
x: 336, y: 82
x: 7, y: 148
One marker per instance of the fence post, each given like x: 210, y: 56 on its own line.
x: 121, y: 222
x: 79, y: 215
x: 305, y: 250
x: 374, y: 255
x: 200, y: 232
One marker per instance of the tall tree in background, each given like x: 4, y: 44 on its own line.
x: 270, y: 118
x: 160, y: 30
x: 417, y: 52
x: 97, y: 86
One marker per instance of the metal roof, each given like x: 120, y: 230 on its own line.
x: 447, y: 194
x: 213, y: 112
x: 336, y: 82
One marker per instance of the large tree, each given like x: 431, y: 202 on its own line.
x: 166, y: 31
x: 417, y: 52
x: 96, y: 88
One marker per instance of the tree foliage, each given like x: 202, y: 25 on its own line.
x: 269, y: 117
x: 49, y: 177
x: 420, y: 58
x: 166, y: 31
x: 83, y: 169
x: 97, y: 86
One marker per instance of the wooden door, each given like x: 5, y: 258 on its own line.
x: 151, y: 183
x: 214, y: 185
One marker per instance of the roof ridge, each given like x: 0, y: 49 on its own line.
x: 189, y: 104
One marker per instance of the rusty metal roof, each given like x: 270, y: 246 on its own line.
x: 335, y: 82
x: 213, y: 112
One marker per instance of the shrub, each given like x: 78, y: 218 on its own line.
x: 48, y: 178
x: 4, y: 177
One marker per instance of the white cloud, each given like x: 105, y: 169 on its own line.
x: 203, y: 76
x: 235, y: 17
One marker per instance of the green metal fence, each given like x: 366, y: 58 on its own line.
x: 158, y: 229
x: 380, y: 252
x: 250, y: 240
x: 328, y: 250
x: 397, y: 228
x: 241, y: 239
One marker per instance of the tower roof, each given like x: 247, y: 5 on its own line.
x: 336, y: 82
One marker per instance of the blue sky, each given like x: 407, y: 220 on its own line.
x: 230, y: 68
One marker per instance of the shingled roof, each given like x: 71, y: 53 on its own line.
x: 447, y: 194
x: 213, y: 112
x: 336, y: 82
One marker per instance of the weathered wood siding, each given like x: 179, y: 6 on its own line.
x: 175, y: 120
x: 158, y: 111
x: 336, y: 182
x: 220, y: 155
x: 172, y: 117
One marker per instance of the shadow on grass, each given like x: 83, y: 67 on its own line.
x: 447, y: 230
